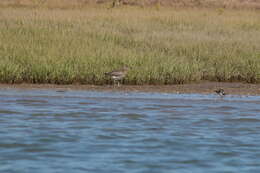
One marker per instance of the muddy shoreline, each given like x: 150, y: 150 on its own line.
x: 202, y: 88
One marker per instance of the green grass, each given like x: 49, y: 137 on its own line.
x: 169, y: 46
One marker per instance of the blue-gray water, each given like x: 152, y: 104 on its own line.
x: 44, y: 131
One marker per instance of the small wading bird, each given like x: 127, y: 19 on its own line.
x: 118, y: 75
x: 220, y: 92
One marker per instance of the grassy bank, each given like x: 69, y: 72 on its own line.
x: 162, y: 46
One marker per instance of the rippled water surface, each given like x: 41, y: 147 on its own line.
x: 77, y: 131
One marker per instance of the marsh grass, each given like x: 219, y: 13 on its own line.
x: 169, y: 46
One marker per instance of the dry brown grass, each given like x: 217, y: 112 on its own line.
x: 252, y: 4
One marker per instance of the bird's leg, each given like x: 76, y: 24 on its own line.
x: 114, y: 81
x: 118, y: 83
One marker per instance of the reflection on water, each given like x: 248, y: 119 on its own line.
x: 76, y: 131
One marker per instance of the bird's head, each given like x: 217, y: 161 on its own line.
x: 126, y: 68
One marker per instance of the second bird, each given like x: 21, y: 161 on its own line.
x: 220, y: 92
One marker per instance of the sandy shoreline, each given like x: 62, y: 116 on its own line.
x: 202, y: 88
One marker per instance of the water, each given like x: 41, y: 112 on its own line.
x: 44, y: 131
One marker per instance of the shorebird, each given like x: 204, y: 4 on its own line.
x: 118, y: 75
x: 220, y: 92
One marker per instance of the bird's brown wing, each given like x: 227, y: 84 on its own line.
x: 115, y: 73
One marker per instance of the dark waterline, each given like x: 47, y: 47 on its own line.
x: 77, y: 131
